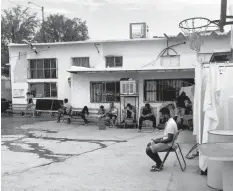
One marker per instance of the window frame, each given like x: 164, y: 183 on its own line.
x: 50, y: 89
x: 157, y: 88
x: 104, y: 89
x: 83, y: 57
x: 106, y: 64
x: 43, y: 69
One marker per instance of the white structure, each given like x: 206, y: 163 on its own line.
x: 5, y: 88
x: 86, y: 72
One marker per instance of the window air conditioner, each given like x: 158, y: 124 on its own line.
x: 129, y: 87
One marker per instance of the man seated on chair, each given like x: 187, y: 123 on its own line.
x: 129, y: 112
x: 101, y: 112
x: 111, y: 114
x: 146, y: 114
x: 65, y: 109
x: 163, y: 143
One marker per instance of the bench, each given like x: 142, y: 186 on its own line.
x: 15, y: 109
x: 19, y: 108
x: 221, y: 152
x: 92, y: 117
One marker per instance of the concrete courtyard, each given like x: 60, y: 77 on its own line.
x: 55, y: 156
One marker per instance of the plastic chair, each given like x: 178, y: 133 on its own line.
x: 173, y: 148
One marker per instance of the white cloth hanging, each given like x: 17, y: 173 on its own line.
x: 197, y: 103
x: 211, y: 119
x: 213, y: 88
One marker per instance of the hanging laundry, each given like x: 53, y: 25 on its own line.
x: 211, y: 119
x: 197, y: 102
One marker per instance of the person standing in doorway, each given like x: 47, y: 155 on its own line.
x: 181, y: 103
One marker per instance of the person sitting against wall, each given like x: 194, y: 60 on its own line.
x: 83, y: 114
x: 111, y: 115
x: 101, y: 112
x: 146, y: 114
x: 163, y: 143
x: 65, y: 109
x: 30, y: 105
x: 129, y: 112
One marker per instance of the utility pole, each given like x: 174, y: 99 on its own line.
x: 42, y: 26
x: 43, y: 32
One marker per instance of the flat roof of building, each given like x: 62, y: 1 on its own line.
x: 93, y: 41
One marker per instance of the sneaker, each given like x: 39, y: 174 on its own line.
x: 156, y: 168
x: 139, y: 130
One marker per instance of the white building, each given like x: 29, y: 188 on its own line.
x: 86, y: 71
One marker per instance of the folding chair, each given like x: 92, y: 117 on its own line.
x: 174, y: 148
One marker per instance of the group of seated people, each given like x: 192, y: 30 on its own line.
x: 146, y: 113
x: 66, y: 109
x: 109, y: 115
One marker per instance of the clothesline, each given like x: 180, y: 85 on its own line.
x: 221, y: 66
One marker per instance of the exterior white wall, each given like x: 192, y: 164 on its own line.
x: 6, y: 89
x: 81, y: 85
x: 135, y: 54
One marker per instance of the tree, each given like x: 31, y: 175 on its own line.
x: 58, y: 28
x: 16, y: 24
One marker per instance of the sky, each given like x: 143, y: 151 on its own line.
x: 109, y: 19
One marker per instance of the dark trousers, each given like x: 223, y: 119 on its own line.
x: 60, y: 111
x: 154, y: 156
x: 129, y: 114
x: 151, y: 118
x: 82, y: 115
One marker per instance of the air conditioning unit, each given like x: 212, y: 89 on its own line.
x: 129, y: 87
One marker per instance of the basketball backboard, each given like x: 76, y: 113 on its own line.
x: 138, y: 30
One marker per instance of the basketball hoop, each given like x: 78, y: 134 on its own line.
x: 193, y: 28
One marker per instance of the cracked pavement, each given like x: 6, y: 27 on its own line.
x: 43, y: 155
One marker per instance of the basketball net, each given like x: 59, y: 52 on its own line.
x: 195, y: 41
x: 192, y: 29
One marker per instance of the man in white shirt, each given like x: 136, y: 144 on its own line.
x: 164, y: 142
x: 65, y: 109
x: 111, y: 114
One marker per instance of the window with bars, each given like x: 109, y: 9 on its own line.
x: 42, y: 69
x: 114, y: 61
x: 40, y: 90
x: 102, y: 92
x: 164, y: 90
x: 81, y: 61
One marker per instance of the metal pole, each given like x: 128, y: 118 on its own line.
x: 43, y: 34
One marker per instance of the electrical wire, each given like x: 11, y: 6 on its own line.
x: 22, y: 5
x: 31, y: 52
x: 193, y: 155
